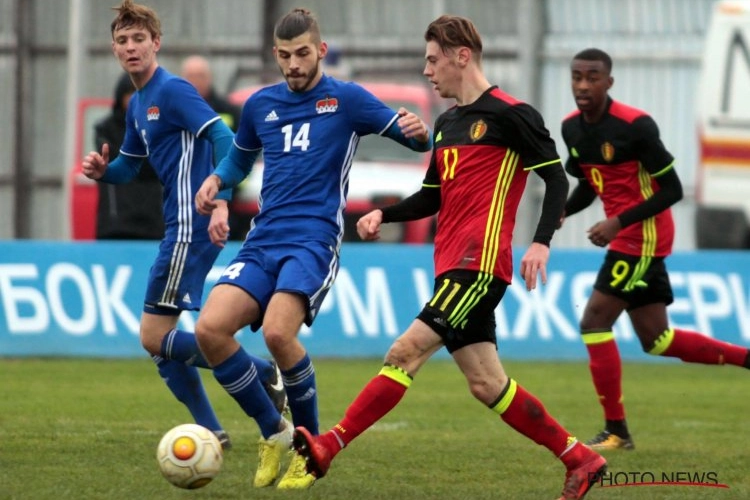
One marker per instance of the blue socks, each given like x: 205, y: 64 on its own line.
x: 302, y: 394
x: 238, y: 374
x: 185, y: 383
x: 182, y: 346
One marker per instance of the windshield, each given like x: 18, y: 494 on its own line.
x: 381, y: 149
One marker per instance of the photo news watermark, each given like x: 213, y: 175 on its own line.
x: 618, y: 479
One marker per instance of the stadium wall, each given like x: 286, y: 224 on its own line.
x: 84, y: 299
x: 656, y: 45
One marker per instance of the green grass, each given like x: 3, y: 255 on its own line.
x: 88, y: 429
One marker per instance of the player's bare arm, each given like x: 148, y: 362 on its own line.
x: 94, y: 164
x: 368, y: 226
x: 205, y: 198
x: 218, y: 227
x: 413, y: 126
x: 534, y: 263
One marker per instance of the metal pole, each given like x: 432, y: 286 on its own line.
x: 21, y: 170
x: 272, y: 12
x: 76, y: 48
x: 531, y: 24
x: 531, y: 27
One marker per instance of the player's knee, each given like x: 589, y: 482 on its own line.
x: 589, y: 323
x: 406, y: 355
x: 400, y: 352
x: 651, y: 343
x: 596, y: 317
x: 276, y: 339
x: 151, y: 341
x: 479, y: 390
x: 206, y: 331
x: 485, y: 390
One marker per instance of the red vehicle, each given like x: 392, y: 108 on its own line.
x: 84, y: 196
x: 383, y: 171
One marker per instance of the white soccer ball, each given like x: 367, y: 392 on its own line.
x: 189, y: 456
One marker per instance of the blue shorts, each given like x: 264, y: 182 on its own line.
x: 177, y: 278
x: 306, y: 269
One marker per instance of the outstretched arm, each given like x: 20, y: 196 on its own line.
x: 423, y: 203
x: 419, y: 205
x: 411, y: 131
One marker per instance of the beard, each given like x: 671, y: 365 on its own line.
x: 301, y: 83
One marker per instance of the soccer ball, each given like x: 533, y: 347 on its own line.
x: 189, y: 456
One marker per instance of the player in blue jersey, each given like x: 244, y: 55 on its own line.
x: 308, y: 128
x: 171, y: 125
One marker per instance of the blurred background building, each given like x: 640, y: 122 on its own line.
x: 53, y: 53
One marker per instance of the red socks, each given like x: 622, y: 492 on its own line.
x: 377, y: 398
x: 692, y: 347
x: 606, y: 372
x: 526, y: 414
x: 518, y: 408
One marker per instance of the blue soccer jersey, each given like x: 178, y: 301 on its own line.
x: 308, y: 141
x: 164, y: 120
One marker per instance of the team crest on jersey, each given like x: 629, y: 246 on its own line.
x: 608, y: 151
x: 327, y: 105
x: 477, y: 130
x: 152, y: 113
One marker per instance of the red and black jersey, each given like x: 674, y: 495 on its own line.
x: 620, y: 156
x: 480, y: 161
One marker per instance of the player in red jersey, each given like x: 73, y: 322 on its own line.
x: 485, y: 147
x: 616, y: 154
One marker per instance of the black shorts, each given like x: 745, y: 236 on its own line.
x: 462, y: 309
x: 639, y: 281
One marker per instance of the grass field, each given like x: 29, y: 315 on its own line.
x: 88, y: 429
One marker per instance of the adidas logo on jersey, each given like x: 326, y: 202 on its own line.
x: 272, y: 116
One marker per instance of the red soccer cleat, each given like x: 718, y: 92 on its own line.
x: 317, y: 456
x: 579, y: 481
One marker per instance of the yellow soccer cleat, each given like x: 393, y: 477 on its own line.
x: 270, y: 452
x: 296, y: 476
x: 606, y: 441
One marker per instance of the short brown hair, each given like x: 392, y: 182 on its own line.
x: 131, y: 14
x: 451, y: 32
x: 297, y: 22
